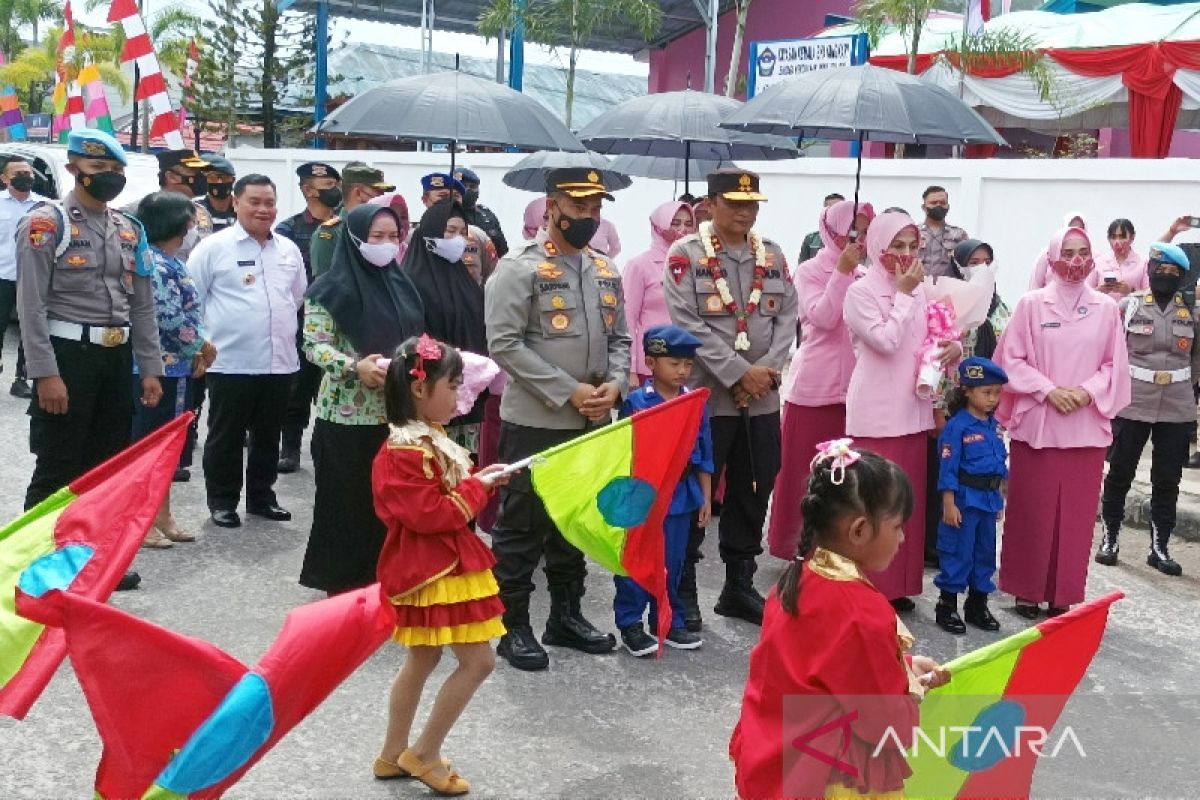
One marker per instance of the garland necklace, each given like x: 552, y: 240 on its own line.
x: 712, y: 246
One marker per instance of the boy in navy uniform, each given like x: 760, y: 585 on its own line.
x: 669, y: 355
x: 973, y: 481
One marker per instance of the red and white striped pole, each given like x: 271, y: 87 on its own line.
x: 152, y: 86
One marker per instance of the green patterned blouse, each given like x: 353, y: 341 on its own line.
x: 342, y: 398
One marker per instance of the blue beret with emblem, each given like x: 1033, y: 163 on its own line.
x: 92, y: 143
x: 466, y: 175
x: 669, y: 341
x: 440, y: 180
x: 1165, y: 253
x: 979, y: 371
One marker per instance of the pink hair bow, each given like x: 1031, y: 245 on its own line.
x: 839, y: 454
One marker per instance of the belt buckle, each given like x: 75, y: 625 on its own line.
x: 111, y: 337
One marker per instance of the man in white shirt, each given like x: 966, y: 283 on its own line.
x: 14, y: 202
x: 251, y: 283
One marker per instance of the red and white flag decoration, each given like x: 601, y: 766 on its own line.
x: 193, y: 62
x: 152, y: 86
x: 978, y: 12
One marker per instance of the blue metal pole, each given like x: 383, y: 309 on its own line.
x: 516, y: 53
x: 321, y: 87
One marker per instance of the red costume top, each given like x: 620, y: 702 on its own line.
x: 838, y: 663
x: 426, y: 497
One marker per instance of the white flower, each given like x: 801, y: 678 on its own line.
x: 742, y: 342
x: 723, y: 290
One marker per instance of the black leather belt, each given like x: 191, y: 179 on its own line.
x: 985, y: 482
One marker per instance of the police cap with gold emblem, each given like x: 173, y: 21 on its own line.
x: 317, y: 169
x: 669, y: 341
x: 577, y: 182
x: 735, y: 184
x: 1164, y: 253
x: 181, y: 158
x: 979, y: 371
x: 91, y: 143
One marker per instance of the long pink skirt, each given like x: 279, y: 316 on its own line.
x: 904, y: 577
x: 1048, y: 527
x: 804, y: 427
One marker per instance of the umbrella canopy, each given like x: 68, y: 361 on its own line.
x: 667, y: 169
x: 683, y: 124
x: 863, y: 103
x: 450, y: 107
x: 529, y: 174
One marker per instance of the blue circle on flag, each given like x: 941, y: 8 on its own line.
x: 625, y: 502
x: 993, y: 737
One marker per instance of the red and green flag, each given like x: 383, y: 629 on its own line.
x: 608, y: 491
x: 983, y: 733
x: 81, y: 539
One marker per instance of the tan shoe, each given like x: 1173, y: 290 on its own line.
x: 155, y: 540
x: 176, y: 534
x: 448, y: 784
x: 387, y: 770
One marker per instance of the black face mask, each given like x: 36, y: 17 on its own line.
x: 197, y: 183
x: 937, y: 213
x: 330, y: 197
x: 22, y: 183
x: 1164, y: 286
x: 578, y: 231
x: 220, y: 191
x: 470, y: 198
x: 102, y: 186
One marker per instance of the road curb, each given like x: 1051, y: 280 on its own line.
x: 1137, y: 512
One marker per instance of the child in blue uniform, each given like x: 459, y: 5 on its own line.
x: 669, y: 352
x: 973, y: 480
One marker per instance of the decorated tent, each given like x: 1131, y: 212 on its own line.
x: 1134, y: 66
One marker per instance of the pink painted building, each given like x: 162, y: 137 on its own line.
x: 671, y: 67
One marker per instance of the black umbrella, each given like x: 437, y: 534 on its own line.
x: 685, y: 125
x: 450, y: 107
x: 666, y: 168
x: 863, y: 103
x: 529, y: 174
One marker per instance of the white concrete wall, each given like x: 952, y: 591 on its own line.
x: 1013, y: 205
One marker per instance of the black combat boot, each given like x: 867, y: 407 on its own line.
x: 976, y: 612
x: 946, y: 614
x: 566, y: 625
x: 739, y: 598
x: 1109, y: 547
x: 1159, y: 557
x: 519, y: 647
x: 689, y: 598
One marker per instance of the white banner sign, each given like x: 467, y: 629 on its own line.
x: 775, y: 61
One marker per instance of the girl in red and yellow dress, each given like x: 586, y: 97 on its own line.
x: 433, y: 566
x: 830, y: 676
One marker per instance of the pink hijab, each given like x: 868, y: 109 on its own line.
x: 396, y: 202
x: 660, y: 227
x: 884, y: 229
x: 533, y: 217
x: 836, y: 222
x: 1066, y: 294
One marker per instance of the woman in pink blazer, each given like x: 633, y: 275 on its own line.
x: 1068, y: 370
x: 886, y: 315
x: 814, y: 408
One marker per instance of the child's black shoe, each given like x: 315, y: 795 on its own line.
x: 683, y: 639
x: 635, y: 639
x: 976, y: 612
x: 946, y: 615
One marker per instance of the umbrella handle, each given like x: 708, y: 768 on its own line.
x: 857, y: 183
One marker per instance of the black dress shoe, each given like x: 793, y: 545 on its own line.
x: 129, y: 581
x: 20, y: 388
x: 977, y: 613
x: 946, y: 616
x: 226, y: 519
x: 181, y: 475
x: 903, y: 604
x: 270, y: 511
x: 1194, y: 461
x: 739, y: 599
x: 520, y: 648
x: 1027, y: 610
x: 288, y: 463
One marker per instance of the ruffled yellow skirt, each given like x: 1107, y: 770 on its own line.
x: 454, y: 609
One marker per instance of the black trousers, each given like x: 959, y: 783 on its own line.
x: 239, y: 404
x: 8, y: 301
x: 524, y: 532
x: 197, y: 389
x: 1166, y: 468
x: 744, y: 510
x: 303, y: 393
x: 98, y: 421
x: 176, y: 400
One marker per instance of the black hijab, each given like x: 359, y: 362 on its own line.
x: 453, y: 300
x: 985, y: 338
x: 376, y: 307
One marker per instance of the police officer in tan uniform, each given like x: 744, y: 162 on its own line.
x: 730, y: 288
x: 87, y: 310
x: 1164, y: 361
x: 556, y: 324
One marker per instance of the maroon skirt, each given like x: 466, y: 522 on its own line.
x: 489, y: 453
x: 903, y: 578
x: 804, y: 427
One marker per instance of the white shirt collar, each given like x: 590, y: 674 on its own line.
x: 240, y: 233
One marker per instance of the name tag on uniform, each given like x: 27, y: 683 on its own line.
x: 1051, y: 324
x: 249, y: 263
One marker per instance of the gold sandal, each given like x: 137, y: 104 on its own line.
x: 451, y: 785
x: 387, y: 770
x: 156, y: 540
x: 175, y: 533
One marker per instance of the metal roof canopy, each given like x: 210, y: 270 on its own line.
x: 679, y: 17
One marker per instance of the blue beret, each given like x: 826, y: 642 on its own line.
x: 669, y: 341
x: 1169, y: 254
x: 92, y: 143
x: 466, y: 175
x: 218, y: 164
x: 317, y: 169
x: 440, y: 180
x: 979, y: 371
